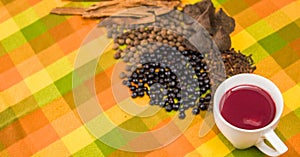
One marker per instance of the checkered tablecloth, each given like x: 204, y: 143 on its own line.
x: 38, y: 116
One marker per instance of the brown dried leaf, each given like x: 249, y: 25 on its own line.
x: 222, y: 39
x: 227, y: 22
x: 203, y: 12
x: 191, y: 10
x: 204, y: 4
x: 204, y: 20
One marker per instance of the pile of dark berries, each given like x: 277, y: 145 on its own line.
x: 175, y: 80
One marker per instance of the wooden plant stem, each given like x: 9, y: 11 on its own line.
x: 111, y: 7
x: 68, y: 11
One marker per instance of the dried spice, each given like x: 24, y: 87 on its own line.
x: 235, y: 62
x: 220, y: 26
x: 174, y: 29
x: 149, y: 31
x: 110, y: 8
x: 134, y: 44
x: 161, y: 31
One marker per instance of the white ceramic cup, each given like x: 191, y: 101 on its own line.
x: 244, y: 138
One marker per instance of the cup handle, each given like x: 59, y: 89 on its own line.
x: 278, y: 146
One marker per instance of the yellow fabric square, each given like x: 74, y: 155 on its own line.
x: 77, y: 139
x: 291, y: 10
x: 26, y: 17
x: 286, y: 110
x: 38, y: 81
x: 214, y: 147
x: 4, y: 153
x: 72, y: 56
x: 60, y: 68
x: 291, y: 97
x: 260, y: 29
x: 278, y: 20
x: 193, y: 154
x: 7, y: 28
x: 117, y: 115
x: 16, y: 93
x: 42, y: 8
x: 242, y: 40
x: 3, y: 105
x: 56, y: 149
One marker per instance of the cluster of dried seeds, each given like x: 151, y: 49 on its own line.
x: 147, y: 50
x: 145, y: 32
x: 169, y: 34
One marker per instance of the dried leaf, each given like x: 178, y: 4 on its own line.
x: 222, y: 39
x: 204, y: 4
x: 204, y: 20
x: 225, y: 21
